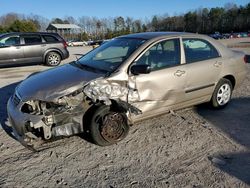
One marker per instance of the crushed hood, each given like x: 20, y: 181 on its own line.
x: 54, y: 83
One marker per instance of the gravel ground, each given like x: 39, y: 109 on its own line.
x: 194, y: 147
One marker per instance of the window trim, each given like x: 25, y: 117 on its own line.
x: 200, y: 39
x: 46, y: 42
x: 37, y: 43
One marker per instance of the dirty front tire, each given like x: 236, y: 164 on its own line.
x: 53, y: 59
x: 107, y: 127
x: 222, y: 94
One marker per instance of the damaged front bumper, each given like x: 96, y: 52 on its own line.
x: 34, y: 130
x: 19, y: 121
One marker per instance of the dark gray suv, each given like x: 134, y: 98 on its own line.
x: 24, y: 48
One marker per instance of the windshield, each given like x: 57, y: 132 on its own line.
x: 111, y: 55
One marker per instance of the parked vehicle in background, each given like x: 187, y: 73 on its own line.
x: 217, y: 36
x: 236, y: 35
x: 125, y: 80
x: 96, y: 42
x: 77, y: 43
x: 243, y: 35
x: 226, y: 36
x: 32, y: 48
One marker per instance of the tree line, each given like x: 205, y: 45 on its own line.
x: 230, y: 18
x: 227, y: 19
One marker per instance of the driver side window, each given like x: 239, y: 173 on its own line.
x: 162, y: 55
x: 10, y: 41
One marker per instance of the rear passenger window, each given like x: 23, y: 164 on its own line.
x: 162, y: 55
x: 32, y: 39
x: 49, y: 38
x: 199, y: 50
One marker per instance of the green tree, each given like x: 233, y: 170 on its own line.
x: 84, y: 36
x: 109, y: 34
x: 215, y: 18
x: 57, y: 21
x: 22, y: 26
x: 137, y: 26
x: 2, y: 29
x: 119, y: 23
x: 191, y: 22
x: 155, y: 23
x: 129, y: 24
x: 204, y: 20
x: 144, y: 28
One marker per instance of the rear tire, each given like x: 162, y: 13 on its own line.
x: 222, y: 94
x: 53, y: 59
x: 107, y: 127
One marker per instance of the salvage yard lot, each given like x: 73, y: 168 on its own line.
x: 192, y: 147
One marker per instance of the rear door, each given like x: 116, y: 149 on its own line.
x: 33, y: 48
x: 51, y: 42
x: 203, y: 66
x: 10, y: 50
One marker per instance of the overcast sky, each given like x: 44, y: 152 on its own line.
x: 108, y: 8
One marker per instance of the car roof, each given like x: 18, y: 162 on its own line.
x: 151, y: 35
x: 29, y: 33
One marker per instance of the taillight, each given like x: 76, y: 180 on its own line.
x: 247, y: 58
x: 65, y: 44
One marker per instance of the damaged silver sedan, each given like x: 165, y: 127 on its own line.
x: 125, y: 80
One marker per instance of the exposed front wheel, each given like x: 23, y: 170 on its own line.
x: 222, y: 93
x: 107, y: 127
x: 53, y: 59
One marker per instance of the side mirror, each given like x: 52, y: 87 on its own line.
x: 140, y: 69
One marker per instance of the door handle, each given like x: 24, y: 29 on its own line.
x: 217, y: 64
x: 179, y: 73
x: 43, y: 45
x: 18, y: 47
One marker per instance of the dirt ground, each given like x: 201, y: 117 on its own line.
x: 194, y: 147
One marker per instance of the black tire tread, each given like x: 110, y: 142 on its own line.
x: 213, y: 102
x: 93, y: 128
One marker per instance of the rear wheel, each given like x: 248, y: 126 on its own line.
x: 107, y: 127
x: 222, y: 93
x: 53, y: 59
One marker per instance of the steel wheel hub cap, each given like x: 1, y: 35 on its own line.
x: 112, y: 127
x: 224, y: 94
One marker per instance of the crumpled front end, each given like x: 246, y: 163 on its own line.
x: 36, y: 121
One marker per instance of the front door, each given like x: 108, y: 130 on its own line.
x: 164, y: 85
x: 10, y: 50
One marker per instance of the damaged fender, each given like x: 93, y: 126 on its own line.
x: 107, y: 91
